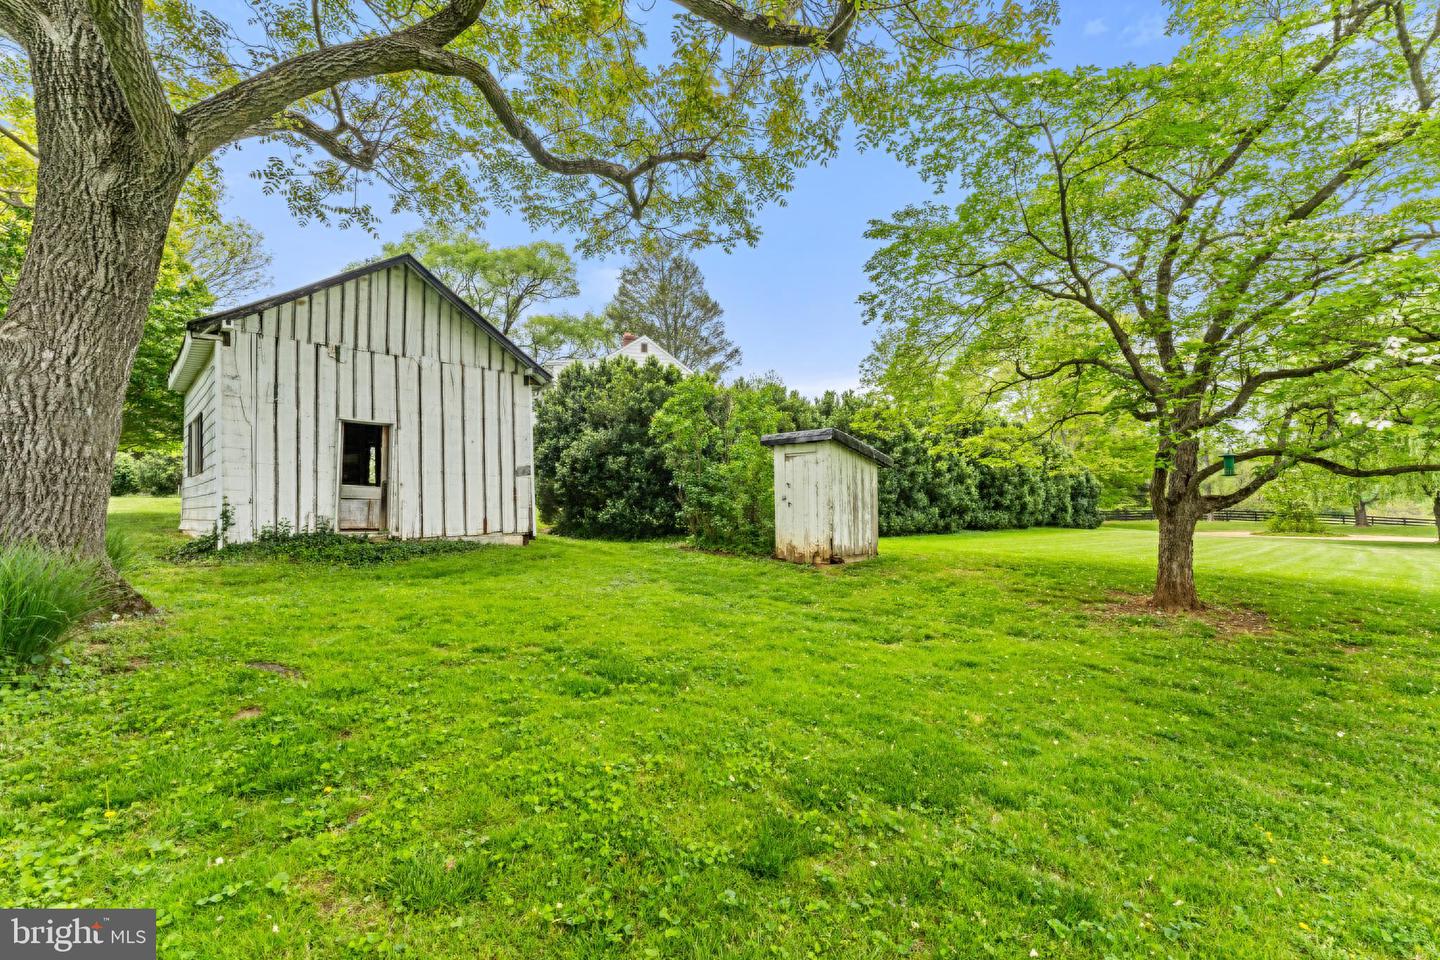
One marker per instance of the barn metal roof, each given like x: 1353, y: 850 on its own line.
x: 828, y: 433
x: 212, y: 322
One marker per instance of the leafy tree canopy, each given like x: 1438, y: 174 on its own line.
x: 581, y: 115
x: 662, y: 296
x: 1236, y: 250
x: 563, y: 337
x: 501, y: 282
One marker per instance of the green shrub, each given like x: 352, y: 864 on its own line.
x: 1294, y: 516
x: 159, y: 474
x: 606, y: 469
x: 946, y: 479
x: 320, y: 546
x: 598, y: 473
x: 710, y: 436
x: 125, y: 479
x: 43, y: 596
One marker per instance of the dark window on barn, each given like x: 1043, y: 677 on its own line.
x: 195, y: 446
x: 361, y: 456
x: 644, y: 347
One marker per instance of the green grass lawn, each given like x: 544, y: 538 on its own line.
x: 580, y: 749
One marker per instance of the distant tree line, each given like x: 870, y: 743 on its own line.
x: 630, y: 452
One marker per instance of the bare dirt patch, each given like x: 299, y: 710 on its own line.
x: 1226, y: 620
x: 247, y: 713
x: 276, y: 668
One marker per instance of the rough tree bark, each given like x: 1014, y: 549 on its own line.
x: 1177, y: 504
x: 1436, y: 506
x: 1362, y: 513
x: 102, y: 207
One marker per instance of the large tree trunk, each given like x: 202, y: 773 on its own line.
x: 1175, y: 569
x: 1177, y: 508
x: 1362, y: 514
x: 1436, y: 506
x: 102, y: 208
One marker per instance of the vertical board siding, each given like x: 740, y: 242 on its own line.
x: 383, y: 348
x: 507, y: 454
x: 490, y: 405
x: 237, y: 416
x: 453, y: 450
x: 327, y: 437
x: 432, y: 450
x: 306, y: 500
x: 265, y: 429
x: 826, y: 503
x: 470, y: 381
x: 200, y: 494
x: 287, y: 432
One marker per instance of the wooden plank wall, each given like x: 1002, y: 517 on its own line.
x: 199, y: 495
x: 384, y: 347
x: 826, y: 503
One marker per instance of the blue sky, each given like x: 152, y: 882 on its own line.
x: 790, y: 301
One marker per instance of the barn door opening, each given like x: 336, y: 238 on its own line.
x: 364, y: 477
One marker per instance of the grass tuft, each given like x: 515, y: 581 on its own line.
x: 43, y: 596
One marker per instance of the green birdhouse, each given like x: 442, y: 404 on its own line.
x: 1229, y: 464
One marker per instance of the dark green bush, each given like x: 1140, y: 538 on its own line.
x: 598, y: 472
x: 159, y: 474
x: 43, y: 596
x: 936, y: 486
x: 1293, y: 516
x: 710, y: 435
x: 125, y: 480
x: 703, y: 471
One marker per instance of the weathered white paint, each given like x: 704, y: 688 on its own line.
x: 826, y: 502
x: 387, y: 347
x: 199, y: 495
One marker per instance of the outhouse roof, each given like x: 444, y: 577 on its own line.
x: 828, y: 433
x: 211, y: 322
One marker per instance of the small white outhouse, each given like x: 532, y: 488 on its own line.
x: 375, y: 402
x: 827, y: 502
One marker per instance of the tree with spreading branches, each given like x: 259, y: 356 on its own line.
x: 501, y: 282
x: 662, y: 295
x: 566, y: 112
x: 1236, y: 249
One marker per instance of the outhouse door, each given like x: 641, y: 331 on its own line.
x: 364, y: 477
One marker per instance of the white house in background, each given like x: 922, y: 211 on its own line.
x: 637, y: 348
x: 376, y: 401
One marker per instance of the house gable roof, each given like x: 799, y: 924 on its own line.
x: 640, y: 354
x: 211, y: 323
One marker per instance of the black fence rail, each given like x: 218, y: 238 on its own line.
x: 1348, y: 519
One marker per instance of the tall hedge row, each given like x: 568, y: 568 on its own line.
x: 627, y: 451
x: 598, y: 472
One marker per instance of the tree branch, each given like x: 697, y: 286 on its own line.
x: 765, y: 31
x: 122, y: 32
x: 15, y: 138
x: 18, y: 18
x: 1344, y: 471
x: 1256, y: 381
x: 328, y: 140
x: 445, y: 63
x: 235, y: 111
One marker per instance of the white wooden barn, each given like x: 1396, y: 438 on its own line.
x: 827, y: 496
x: 376, y: 402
